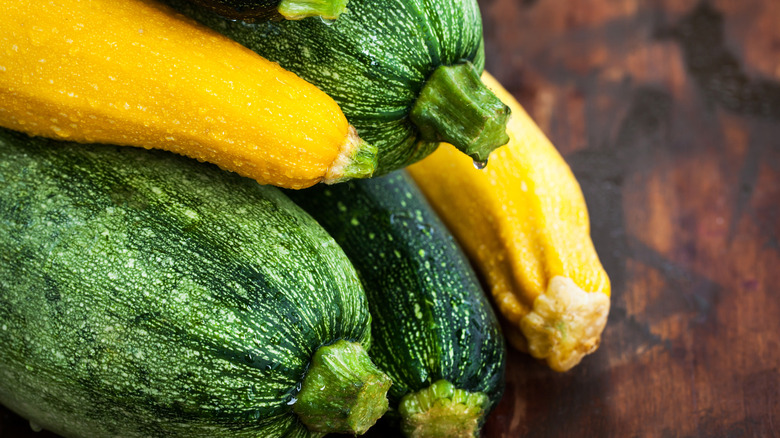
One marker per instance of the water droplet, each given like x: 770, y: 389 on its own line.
x: 59, y: 131
x: 480, y: 164
x: 327, y: 22
x: 427, y: 229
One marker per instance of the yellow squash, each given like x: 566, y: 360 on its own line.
x: 524, y: 222
x: 133, y: 72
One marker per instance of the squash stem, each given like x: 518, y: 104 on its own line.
x: 343, y: 391
x: 299, y: 9
x: 441, y: 410
x: 357, y: 159
x: 456, y: 107
x: 565, y: 323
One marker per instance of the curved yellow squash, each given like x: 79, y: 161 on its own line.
x: 524, y: 222
x: 133, y: 72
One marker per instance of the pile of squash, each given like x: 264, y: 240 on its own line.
x: 331, y: 218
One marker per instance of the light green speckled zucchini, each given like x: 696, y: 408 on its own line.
x: 144, y: 294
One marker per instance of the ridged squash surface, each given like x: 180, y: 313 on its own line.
x: 373, y: 60
x: 431, y: 318
x: 143, y: 294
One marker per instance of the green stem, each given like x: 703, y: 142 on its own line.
x: 299, y: 9
x: 441, y: 410
x: 357, y: 159
x: 343, y: 391
x: 363, y: 164
x: 456, y: 107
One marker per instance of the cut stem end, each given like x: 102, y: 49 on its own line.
x: 300, y: 9
x: 343, y: 391
x: 357, y: 159
x: 441, y: 410
x: 565, y: 324
x: 455, y: 106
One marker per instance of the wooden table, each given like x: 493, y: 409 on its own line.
x: 668, y: 112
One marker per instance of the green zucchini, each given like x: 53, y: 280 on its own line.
x: 435, y: 333
x: 404, y: 72
x: 144, y: 294
x: 252, y: 10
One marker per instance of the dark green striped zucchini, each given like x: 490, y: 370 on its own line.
x: 405, y: 72
x: 143, y: 294
x: 435, y: 333
x: 252, y: 10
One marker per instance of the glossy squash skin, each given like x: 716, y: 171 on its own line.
x: 143, y: 294
x: 375, y: 61
x: 435, y: 333
x: 524, y: 222
x: 136, y: 73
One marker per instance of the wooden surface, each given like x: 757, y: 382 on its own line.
x: 669, y: 114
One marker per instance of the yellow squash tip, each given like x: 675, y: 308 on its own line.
x: 565, y: 324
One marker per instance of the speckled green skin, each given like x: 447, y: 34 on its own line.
x: 144, y: 294
x: 373, y: 60
x: 431, y: 319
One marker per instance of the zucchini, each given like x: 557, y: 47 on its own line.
x: 275, y: 9
x: 405, y: 72
x: 537, y: 256
x: 435, y: 333
x: 143, y: 294
x: 136, y: 73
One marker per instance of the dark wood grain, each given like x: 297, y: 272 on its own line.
x: 669, y: 114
